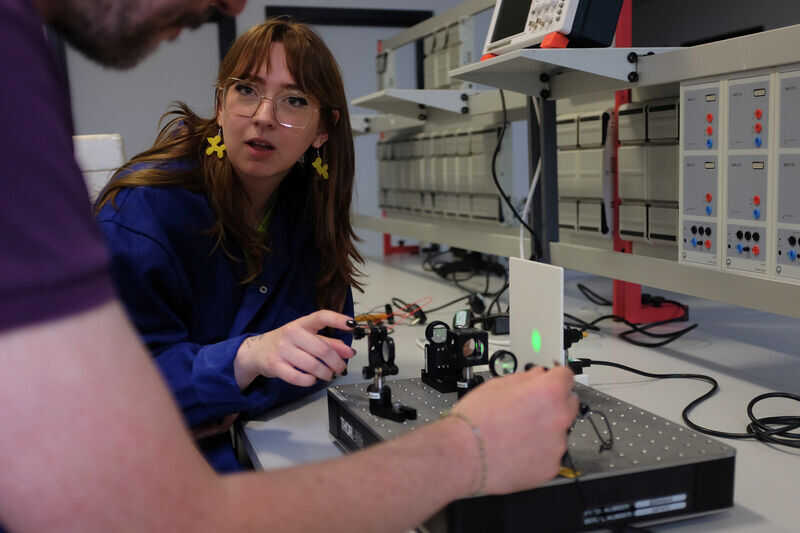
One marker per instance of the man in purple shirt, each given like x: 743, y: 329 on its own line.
x: 90, y: 437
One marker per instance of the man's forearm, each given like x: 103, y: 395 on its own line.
x: 91, y: 441
x: 393, y: 486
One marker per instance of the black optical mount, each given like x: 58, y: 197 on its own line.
x: 450, y: 355
x: 381, y: 363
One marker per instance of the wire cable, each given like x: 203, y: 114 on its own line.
x: 593, y: 296
x: 534, y: 181
x: 537, y: 245
x: 774, y: 429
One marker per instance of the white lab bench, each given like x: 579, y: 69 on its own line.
x: 748, y: 352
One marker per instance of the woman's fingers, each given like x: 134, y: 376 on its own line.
x: 301, y: 360
x: 324, y: 319
x: 293, y: 376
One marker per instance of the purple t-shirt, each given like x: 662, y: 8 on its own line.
x: 53, y: 260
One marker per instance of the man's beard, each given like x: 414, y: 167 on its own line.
x: 118, y: 45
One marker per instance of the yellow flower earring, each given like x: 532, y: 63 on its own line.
x: 215, y: 145
x: 321, y: 169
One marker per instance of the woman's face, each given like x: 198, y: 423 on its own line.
x: 261, y: 149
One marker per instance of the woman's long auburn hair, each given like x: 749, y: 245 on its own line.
x: 184, y: 135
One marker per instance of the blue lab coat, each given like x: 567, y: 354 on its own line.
x: 190, y: 307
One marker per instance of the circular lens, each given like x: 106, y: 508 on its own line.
x: 439, y: 334
x: 502, y: 363
x: 506, y: 364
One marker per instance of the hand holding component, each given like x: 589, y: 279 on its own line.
x: 295, y: 352
x: 522, y: 420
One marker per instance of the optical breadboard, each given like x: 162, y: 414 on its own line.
x: 656, y: 470
x: 524, y: 23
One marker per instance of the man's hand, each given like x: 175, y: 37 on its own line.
x: 523, y: 420
x: 295, y: 352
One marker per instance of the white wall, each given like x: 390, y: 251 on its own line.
x: 131, y: 102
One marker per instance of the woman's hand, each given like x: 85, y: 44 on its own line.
x: 295, y: 352
x: 214, y: 428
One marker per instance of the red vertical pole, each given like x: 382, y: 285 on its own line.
x: 622, y: 290
x: 627, y: 301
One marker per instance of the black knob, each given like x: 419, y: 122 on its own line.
x: 633, y: 77
x: 747, y: 235
x: 708, y: 231
x: 756, y: 236
x: 464, y: 97
x: 739, y: 234
x: 792, y: 240
x: 694, y: 230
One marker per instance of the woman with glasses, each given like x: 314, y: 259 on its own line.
x: 231, y: 240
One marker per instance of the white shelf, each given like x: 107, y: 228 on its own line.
x: 411, y: 103
x: 486, y: 237
x: 578, y: 71
x: 755, y: 293
x: 572, y: 71
x: 368, y: 124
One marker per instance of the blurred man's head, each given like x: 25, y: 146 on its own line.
x: 120, y: 33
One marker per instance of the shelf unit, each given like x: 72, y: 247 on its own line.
x: 579, y: 71
x: 367, y: 124
x: 567, y: 72
x: 754, y: 293
x: 576, y: 72
x: 486, y: 237
x: 413, y: 103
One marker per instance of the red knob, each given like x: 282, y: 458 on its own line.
x: 758, y: 127
x: 709, y: 118
x: 756, y: 250
x: 756, y: 200
x: 709, y: 130
x: 708, y: 197
x: 759, y: 114
x: 708, y: 244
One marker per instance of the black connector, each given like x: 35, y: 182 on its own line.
x: 577, y: 365
x: 419, y: 315
x: 571, y: 336
x: 655, y: 301
x: 476, y: 304
x: 499, y: 325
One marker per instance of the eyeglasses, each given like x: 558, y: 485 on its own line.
x: 292, y: 109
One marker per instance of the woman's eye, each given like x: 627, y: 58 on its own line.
x: 296, y: 101
x: 244, y: 90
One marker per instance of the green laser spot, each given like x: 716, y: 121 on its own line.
x: 536, y: 341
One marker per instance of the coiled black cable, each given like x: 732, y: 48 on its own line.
x: 774, y: 429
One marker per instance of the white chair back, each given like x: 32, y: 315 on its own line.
x: 98, y: 157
